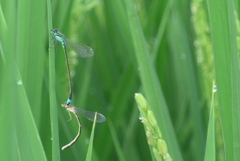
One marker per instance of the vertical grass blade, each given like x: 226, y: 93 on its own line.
x: 161, y: 29
x: 223, y: 33
x: 116, y: 142
x: 187, y: 91
x: 210, y: 151
x: 20, y: 140
x: 52, y: 93
x: 29, y: 143
x: 90, y: 146
x: 7, y: 136
x: 150, y: 83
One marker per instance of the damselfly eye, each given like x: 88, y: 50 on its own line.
x: 63, y: 104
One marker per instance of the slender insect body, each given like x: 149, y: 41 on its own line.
x: 82, y: 50
x: 78, y: 134
x: 89, y: 115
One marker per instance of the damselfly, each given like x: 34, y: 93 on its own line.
x: 89, y: 115
x: 81, y: 50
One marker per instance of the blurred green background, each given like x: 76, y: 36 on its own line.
x: 162, y: 49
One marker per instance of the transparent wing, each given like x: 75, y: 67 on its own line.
x: 90, y: 115
x: 82, y: 50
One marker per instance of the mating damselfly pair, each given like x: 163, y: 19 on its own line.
x: 82, y: 51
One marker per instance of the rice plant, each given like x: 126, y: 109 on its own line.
x: 182, y: 56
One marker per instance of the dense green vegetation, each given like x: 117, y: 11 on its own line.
x: 173, y: 52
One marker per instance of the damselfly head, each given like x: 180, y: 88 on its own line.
x: 64, y: 104
x: 55, y: 31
